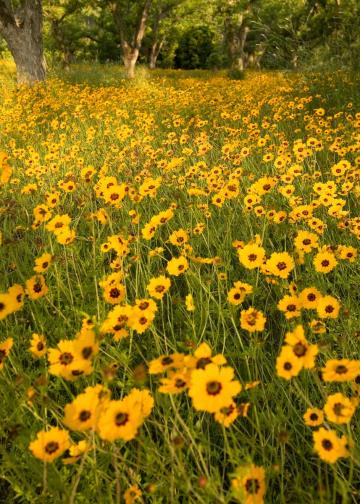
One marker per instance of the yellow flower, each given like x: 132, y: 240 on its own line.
x: 76, y: 451
x: 43, y: 262
x: 58, y: 224
x: 309, y: 298
x: 305, y: 352
x: 339, y: 408
x: 158, y: 287
x: 290, y: 305
x: 5, y: 348
x: 251, y: 256
x: 6, y: 305
x: 175, y: 383
x: 165, y: 362
x: 50, y: 444
x: 249, y: 485
x: 177, y: 266
x: 189, y: 302
x: 341, y: 370
x: 329, y: 446
x: 213, y: 388
x: 202, y: 357
x: 328, y: 307
x: 120, y: 420
x: 324, y: 261
x: 83, y: 412
x: 132, y: 494
x: 313, y: 417
x: 252, y: 320
x: 36, y: 287
x: 287, y: 364
x: 280, y: 264
x: 38, y: 345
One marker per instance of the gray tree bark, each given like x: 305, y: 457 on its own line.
x: 22, y: 30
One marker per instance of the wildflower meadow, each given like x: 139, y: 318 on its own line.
x: 179, y: 287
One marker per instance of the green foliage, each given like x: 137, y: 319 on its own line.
x: 195, y: 48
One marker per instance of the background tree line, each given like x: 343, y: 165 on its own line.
x: 188, y: 34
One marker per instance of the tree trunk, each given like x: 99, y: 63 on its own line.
x: 22, y: 31
x: 130, y: 57
x: 28, y: 57
x: 154, y: 53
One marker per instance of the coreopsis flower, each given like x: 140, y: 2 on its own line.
x: 213, y: 388
x: 251, y: 256
x: 317, y: 326
x: 328, y: 307
x: 304, y: 351
x: 175, y: 383
x: 143, y: 400
x: 202, y: 357
x: 5, y: 348
x: 248, y: 484
x: 290, y: 306
x: 179, y: 237
x: 122, y: 419
x: 158, y: 287
x: 114, y: 293
x: 43, y: 262
x: 143, y: 313
x: 119, y: 421
x: 83, y: 412
x: 76, y: 451
x: 280, y: 264
x: 347, y: 253
x: 17, y: 295
x: 226, y: 416
x: 50, y: 444
x: 288, y: 364
x: 165, y: 362
x: 305, y: 241
x: 58, y: 223
x: 177, y: 266
x: 329, y: 446
x: 313, y: 417
x: 309, y: 298
x: 132, y: 494
x: 324, y: 261
x: 66, y: 236
x: 340, y: 370
x: 36, y: 287
x: 42, y: 213
x: 7, y: 305
x: 189, y: 303
x: 85, y: 343
x: 38, y: 345
x: 339, y: 408
x: 237, y: 294
x: 66, y: 362
x: 252, y: 320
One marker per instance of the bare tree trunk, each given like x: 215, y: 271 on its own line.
x: 22, y: 31
x: 154, y: 53
x: 130, y: 57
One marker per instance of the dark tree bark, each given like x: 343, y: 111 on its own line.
x: 131, y: 44
x: 22, y: 30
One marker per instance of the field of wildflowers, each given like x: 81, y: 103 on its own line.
x: 179, y: 288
